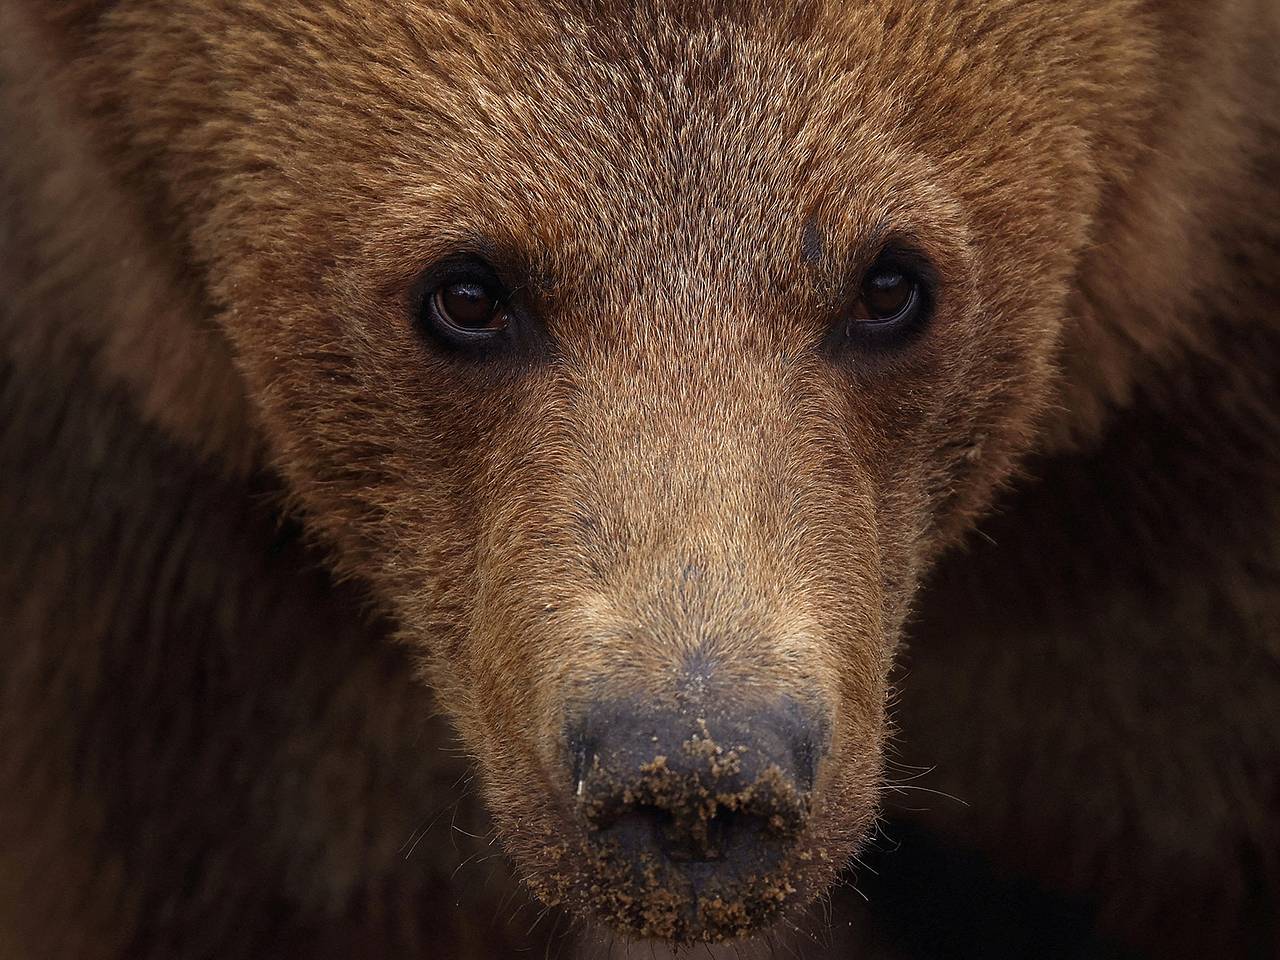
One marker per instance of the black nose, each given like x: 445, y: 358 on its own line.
x: 728, y: 788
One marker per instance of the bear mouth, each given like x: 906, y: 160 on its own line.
x: 651, y: 897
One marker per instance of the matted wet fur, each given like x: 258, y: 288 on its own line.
x: 216, y: 221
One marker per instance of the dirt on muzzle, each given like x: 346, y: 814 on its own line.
x: 696, y: 844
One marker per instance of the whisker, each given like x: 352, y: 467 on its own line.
x: 537, y: 920
x: 903, y: 788
x: 434, y: 820
x: 862, y: 865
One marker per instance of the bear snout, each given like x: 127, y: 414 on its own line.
x: 693, y: 817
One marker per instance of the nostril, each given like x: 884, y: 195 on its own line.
x: 581, y: 751
x: 806, y: 757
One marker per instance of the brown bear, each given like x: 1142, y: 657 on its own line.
x: 729, y: 416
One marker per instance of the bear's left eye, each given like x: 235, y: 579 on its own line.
x: 888, y: 295
x: 893, y: 300
x: 464, y: 307
x: 469, y: 306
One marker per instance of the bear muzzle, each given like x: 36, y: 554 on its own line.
x: 693, y: 814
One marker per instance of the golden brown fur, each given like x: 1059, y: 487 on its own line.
x: 216, y: 215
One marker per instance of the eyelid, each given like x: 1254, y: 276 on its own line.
x: 464, y: 269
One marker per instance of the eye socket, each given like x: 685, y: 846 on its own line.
x: 893, y: 299
x: 465, y: 305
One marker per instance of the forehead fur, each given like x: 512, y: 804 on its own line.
x: 568, y: 131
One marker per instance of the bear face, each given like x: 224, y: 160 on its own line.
x: 642, y: 360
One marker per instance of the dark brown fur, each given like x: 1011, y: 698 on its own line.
x: 216, y: 215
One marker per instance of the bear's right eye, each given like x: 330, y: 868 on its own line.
x: 464, y: 306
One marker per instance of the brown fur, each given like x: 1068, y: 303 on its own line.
x: 216, y: 216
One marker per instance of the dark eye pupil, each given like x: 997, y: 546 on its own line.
x: 468, y: 305
x: 887, y: 293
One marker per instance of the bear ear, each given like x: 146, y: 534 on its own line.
x: 93, y: 276
x: 67, y: 17
x: 52, y: 25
